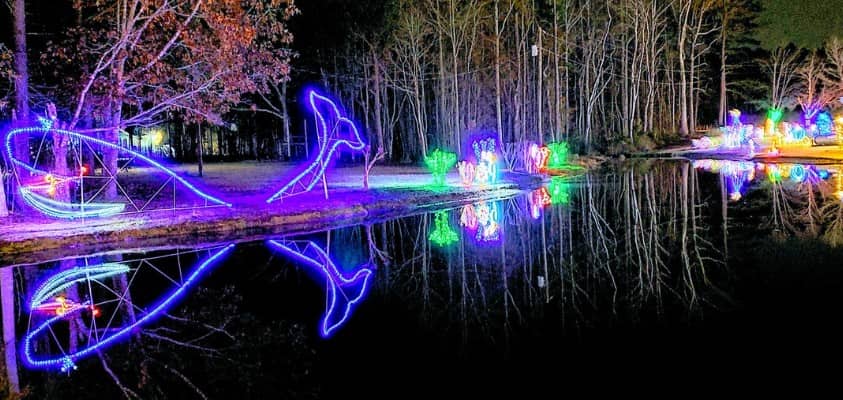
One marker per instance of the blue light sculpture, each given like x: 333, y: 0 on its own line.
x: 343, y: 291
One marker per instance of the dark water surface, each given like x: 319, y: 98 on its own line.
x: 648, y: 274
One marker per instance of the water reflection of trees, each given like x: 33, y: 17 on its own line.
x: 631, y: 245
x: 805, y: 205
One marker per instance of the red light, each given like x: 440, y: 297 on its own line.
x: 84, y: 170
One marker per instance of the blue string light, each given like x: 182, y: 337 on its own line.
x: 63, y: 209
x: 338, y: 285
x: 62, y: 280
x: 67, y: 361
x: 67, y: 210
x: 329, y: 143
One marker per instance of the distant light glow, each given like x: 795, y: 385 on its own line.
x: 343, y: 292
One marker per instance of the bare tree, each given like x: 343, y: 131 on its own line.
x: 781, y: 69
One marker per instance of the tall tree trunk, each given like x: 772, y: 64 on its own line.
x: 4, y: 209
x: 21, y: 80
x: 7, y: 293
x: 498, y: 113
x: 288, y: 137
x: 378, y: 115
x: 199, y: 148
x: 721, y: 116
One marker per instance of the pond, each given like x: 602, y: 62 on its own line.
x: 654, y: 269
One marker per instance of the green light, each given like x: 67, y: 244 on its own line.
x: 439, y: 162
x: 558, y: 154
x: 442, y: 234
x: 559, y: 191
x: 775, y: 115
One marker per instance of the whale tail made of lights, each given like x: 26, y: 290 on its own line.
x: 84, y: 191
x: 343, y: 290
x: 89, y: 301
x: 335, y: 132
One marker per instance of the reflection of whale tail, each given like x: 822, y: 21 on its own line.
x: 343, y: 291
x: 334, y: 131
x: 341, y: 300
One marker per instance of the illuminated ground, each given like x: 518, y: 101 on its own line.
x: 393, y: 191
x: 803, y: 154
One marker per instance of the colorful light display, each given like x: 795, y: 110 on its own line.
x: 67, y: 361
x: 343, y: 291
x: 442, y: 234
x: 486, y: 171
x: 440, y: 162
x: 558, y: 154
x: 335, y: 131
x: 69, y: 210
x: 539, y: 158
x: 467, y: 173
x: 824, y: 124
x: 57, y: 283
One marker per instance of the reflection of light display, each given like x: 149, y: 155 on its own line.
x: 539, y: 157
x: 538, y: 199
x: 62, y: 305
x: 333, y: 129
x: 797, y: 173
x: 442, y: 233
x: 62, y: 280
x: 488, y: 229
x: 558, y: 154
x: 343, y: 292
x: 825, y: 126
x: 467, y: 173
x: 63, y: 209
x: 483, y: 219
x: 559, y: 190
x: 439, y: 162
x: 486, y: 171
x: 468, y: 218
x: 67, y: 360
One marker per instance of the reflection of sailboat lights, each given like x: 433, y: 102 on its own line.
x: 67, y: 360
